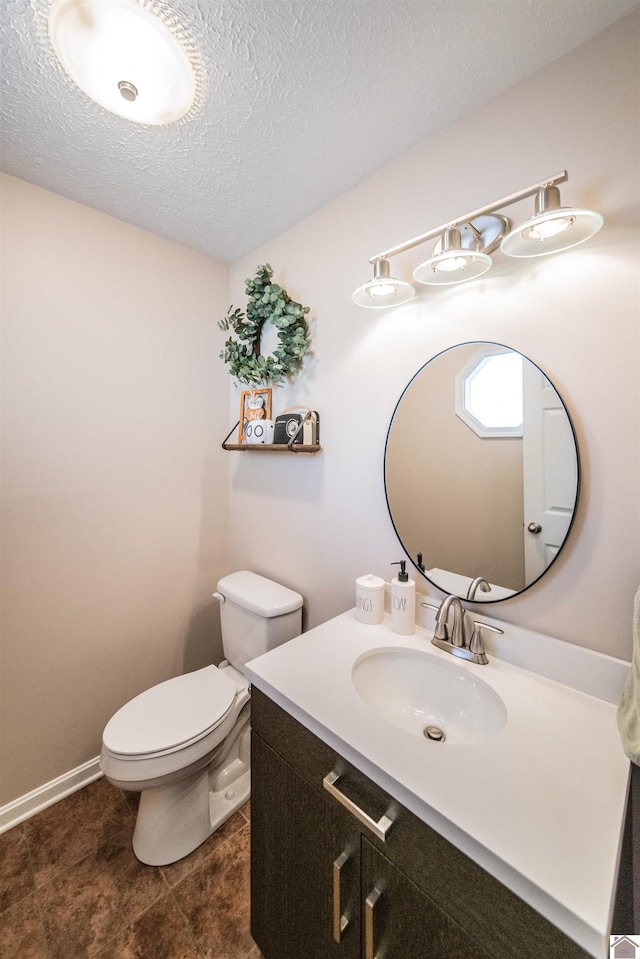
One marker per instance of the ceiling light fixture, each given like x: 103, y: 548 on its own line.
x: 384, y: 289
x: 463, y: 245
x: 126, y: 55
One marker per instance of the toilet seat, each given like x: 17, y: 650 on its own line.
x: 171, y: 716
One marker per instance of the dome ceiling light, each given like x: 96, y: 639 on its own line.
x: 463, y: 245
x: 127, y: 57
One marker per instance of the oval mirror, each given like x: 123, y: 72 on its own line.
x: 481, y: 472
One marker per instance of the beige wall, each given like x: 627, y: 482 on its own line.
x: 114, y: 526
x: 319, y: 522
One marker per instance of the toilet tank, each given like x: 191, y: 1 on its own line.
x: 256, y: 615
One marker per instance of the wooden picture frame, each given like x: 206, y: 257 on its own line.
x: 254, y: 405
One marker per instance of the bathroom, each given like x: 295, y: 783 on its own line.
x: 120, y: 509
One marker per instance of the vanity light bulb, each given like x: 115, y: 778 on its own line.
x: 451, y: 263
x: 382, y: 289
x: 547, y: 228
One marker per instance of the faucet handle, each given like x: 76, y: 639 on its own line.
x: 492, y: 629
x: 476, y: 646
x: 440, y: 630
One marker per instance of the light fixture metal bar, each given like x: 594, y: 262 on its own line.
x: 482, y: 211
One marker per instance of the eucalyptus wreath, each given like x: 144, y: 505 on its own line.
x: 267, y: 302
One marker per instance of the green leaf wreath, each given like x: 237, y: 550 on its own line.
x: 267, y: 302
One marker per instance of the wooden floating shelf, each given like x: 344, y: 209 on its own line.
x: 270, y: 448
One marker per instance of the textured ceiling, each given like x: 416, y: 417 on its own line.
x: 302, y: 99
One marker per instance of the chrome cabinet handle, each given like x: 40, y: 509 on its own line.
x: 379, y: 829
x: 340, y: 919
x: 534, y: 528
x: 369, y: 930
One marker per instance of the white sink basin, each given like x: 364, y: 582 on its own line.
x: 429, y: 697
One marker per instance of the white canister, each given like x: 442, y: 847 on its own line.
x: 259, y: 432
x: 370, y: 599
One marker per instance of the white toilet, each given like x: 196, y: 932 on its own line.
x: 184, y: 744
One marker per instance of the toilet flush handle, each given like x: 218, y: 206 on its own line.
x: 219, y: 596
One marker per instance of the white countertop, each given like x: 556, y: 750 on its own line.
x: 541, y: 806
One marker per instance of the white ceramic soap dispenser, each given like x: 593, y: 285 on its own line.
x: 403, y: 602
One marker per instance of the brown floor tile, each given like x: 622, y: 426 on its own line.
x: 68, y: 830
x: 87, y: 906
x: 215, y: 900
x: 16, y: 876
x: 177, y: 871
x: 72, y: 888
x: 162, y: 932
x: 22, y: 934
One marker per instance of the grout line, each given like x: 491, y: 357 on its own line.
x: 36, y: 893
x: 233, y: 837
x: 33, y: 892
x: 91, y: 852
x: 129, y: 925
x: 43, y: 925
x: 13, y: 902
x: 206, y: 858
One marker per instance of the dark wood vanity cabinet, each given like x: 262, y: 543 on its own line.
x: 324, y: 886
x: 295, y: 838
x: 308, y: 860
x: 405, y: 922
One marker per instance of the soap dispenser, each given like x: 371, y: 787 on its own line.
x: 403, y: 602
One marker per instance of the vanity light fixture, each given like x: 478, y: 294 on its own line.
x: 452, y: 263
x: 384, y: 289
x: 464, y: 245
x: 130, y: 56
x: 553, y: 227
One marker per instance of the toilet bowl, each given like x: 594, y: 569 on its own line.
x: 185, y: 743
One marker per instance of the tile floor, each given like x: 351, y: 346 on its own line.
x: 71, y: 887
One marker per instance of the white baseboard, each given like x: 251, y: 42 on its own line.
x: 38, y: 799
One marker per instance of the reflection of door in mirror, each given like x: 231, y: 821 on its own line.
x: 456, y: 495
x: 550, y: 473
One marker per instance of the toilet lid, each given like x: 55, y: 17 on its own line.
x: 171, y: 714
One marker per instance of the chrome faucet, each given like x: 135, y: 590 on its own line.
x: 478, y: 583
x: 441, y: 632
x: 454, y: 640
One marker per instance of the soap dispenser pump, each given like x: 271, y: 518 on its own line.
x: 403, y: 602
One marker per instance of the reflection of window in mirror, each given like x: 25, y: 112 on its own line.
x: 489, y: 394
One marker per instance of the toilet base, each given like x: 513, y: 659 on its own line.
x: 175, y: 819
x: 223, y: 804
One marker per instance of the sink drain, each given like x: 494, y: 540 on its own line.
x: 434, y: 733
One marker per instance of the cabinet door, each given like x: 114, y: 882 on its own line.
x: 401, y: 921
x: 301, y: 884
